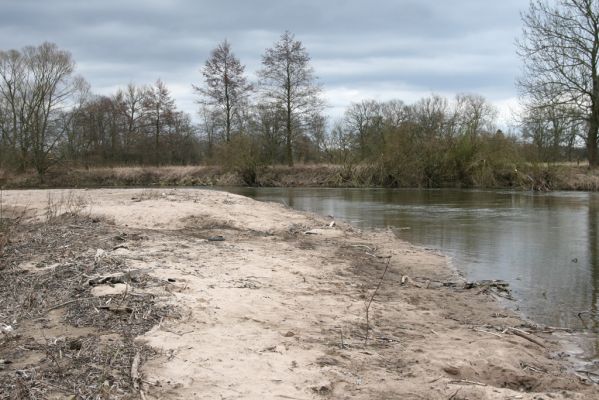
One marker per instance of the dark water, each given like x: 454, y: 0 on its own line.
x: 545, y: 245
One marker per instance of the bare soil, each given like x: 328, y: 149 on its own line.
x: 189, y: 294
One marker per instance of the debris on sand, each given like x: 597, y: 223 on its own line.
x: 270, y: 312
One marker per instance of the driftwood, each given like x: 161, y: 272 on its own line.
x: 525, y: 335
x: 497, y: 284
x: 131, y: 276
x: 501, y: 288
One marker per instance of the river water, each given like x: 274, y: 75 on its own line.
x: 545, y: 245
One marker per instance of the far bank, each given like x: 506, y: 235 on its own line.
x: 536, y: 177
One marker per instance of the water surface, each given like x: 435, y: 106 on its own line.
x: 545, y: 245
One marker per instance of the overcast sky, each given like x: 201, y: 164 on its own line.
x: 360, y: 49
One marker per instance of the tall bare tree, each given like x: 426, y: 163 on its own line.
x: 560, y: 51
x: 37, y: 84
x: 160, y: 109
x: 288, y: 81
x: 130, y: 104
x: 226, y: 87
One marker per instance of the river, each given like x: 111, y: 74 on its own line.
x: 546, y: 245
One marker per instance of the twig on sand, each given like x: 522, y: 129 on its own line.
x: 465, y: 382
x: 525, y: 335
x: 484, y: 331
x: 364, y: 246
x: 66, y: 303
x: 378, y: 286
x: 455, y: 394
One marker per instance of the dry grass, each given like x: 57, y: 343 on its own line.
x: 55, y: 346
x: 10, y: 218
x: 69, y: 203
x: 558, y: 176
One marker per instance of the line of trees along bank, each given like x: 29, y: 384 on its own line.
x: 49, y: 117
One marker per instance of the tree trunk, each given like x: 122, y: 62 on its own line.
x: 592, y: 143
x: 157, y: 140
x: 289, y: 126
x: 593, y: 128
x: 288, y: 141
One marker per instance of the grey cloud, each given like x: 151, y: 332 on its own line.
x: 426, y: 45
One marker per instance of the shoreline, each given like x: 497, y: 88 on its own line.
x: 277, y: 308
x: 538, y: 178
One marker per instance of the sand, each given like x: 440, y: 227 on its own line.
x: 277, y: 310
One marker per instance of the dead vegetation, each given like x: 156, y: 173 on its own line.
x: 528, y: 176
x: 58, y: 338
x: 287, y: 298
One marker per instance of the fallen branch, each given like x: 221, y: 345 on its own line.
x: 465, y: 382
x: 525, y: 335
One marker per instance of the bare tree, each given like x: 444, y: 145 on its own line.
x: 226, y: 87
x: 560, y: 51
x: 268, y: 124
x: 289, y: 82
x: 37, y: 84
x: 362, y: 120
x: 160, y: 108
x: 130, y: 103
x: 395, y: 112
x: 473, y: 114
x: 550, y: 128
x: 13, y: 91
x: 430, y: 113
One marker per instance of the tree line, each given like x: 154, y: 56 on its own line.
x: 50, y: 117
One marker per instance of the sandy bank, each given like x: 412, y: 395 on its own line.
x: 257, y: 301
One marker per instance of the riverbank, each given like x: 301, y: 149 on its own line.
x: 184, y: 294
x: 532, y: 177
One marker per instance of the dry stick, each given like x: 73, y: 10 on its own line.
x: 362, y: 245
x: 66, y: 303
x: 465, y: 382
x: 526, y: 336
x: 135, y: 371
x: 372, y: 299
x: 455, y: 394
